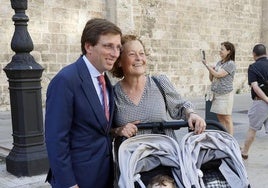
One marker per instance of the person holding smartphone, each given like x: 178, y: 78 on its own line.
x: 222, y: 76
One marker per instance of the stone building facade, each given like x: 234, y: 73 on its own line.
x: 173, y: 31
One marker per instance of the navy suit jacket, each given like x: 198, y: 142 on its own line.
x: 76, y: 130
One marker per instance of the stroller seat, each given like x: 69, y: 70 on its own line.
x: 217, y: 146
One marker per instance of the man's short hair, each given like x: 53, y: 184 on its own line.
x: 259, y: 50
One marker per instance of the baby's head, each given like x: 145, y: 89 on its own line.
x: 161, y: 181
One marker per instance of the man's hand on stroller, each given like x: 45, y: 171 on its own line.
x: 196, y: 123
x: 128, y: 130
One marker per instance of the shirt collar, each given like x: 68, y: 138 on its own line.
x: 92, y: 70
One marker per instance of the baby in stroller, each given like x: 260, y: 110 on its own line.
x: 161, y: 181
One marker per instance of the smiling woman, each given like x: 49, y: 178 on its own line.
x: 132, y: 62
x: 139, y: 100
x: 136, y: 93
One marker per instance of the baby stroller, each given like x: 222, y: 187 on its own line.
x: 143, y: 156
x: 212, y: 159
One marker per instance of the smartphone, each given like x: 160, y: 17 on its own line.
x: 203, y: 54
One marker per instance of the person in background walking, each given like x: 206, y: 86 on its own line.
x: 77, y: 121
x: 258, y: 112
x: 222, y: 76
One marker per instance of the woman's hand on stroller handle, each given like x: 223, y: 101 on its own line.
x: 196, y: 123
x: 128, y: 130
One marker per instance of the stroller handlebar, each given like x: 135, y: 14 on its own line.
x: 159, y: 127
x: 175, y: 125
x: 165, y: 124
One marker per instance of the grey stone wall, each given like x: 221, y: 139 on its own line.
x: 173, y: 31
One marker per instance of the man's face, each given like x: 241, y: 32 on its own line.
x: 104, y: 54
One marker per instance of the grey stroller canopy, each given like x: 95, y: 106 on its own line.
x: 145, y: 152
x: 213, y: 145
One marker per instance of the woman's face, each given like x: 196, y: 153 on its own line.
x: 133, y: 59
x: 224, y: 52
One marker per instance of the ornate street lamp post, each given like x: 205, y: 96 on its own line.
x: 28, y: 156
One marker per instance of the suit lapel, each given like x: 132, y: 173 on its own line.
x: 91, y: 94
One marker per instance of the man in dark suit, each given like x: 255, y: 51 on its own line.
x: 76, y: 128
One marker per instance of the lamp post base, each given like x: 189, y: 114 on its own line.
x: 29, y: 161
